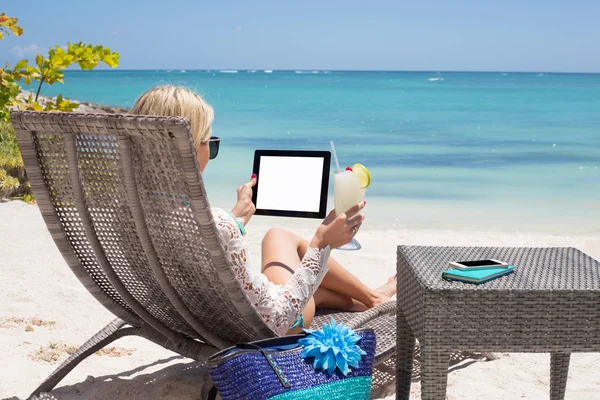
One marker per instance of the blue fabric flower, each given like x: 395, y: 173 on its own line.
x: 335, y: 345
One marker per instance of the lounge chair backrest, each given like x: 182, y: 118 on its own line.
x: 123, y: 198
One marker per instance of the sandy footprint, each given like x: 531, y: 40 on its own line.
x: 27, y: 323
x: 54, y: 352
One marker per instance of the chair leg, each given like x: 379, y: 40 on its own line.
x: 405, y: 351
x: 208, y: 391
x: 108, y: 334
x: 559, y: 369
x: 434, y: 373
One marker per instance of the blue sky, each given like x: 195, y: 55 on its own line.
x: 465, y: 35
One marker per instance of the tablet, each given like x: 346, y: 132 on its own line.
x: 291, y: 183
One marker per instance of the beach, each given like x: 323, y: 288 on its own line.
x: 472, y: 127
x: 46, y: 313
x: 470, y: 159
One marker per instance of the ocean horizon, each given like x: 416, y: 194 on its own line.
x: 102, y: 68
x: 516, y: 151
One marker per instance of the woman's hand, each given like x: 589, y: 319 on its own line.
x: 336, y: 231
x: 244, y: 208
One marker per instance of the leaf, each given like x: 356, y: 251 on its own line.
x: 111, y: 59
x: 61, y: 104
x: 59, y: 58
x: 14, y: 90
x: 35, y: 106
x: 17, y: 30
x: 28, y: 198
x: 9, y: 183
x: 21, y: 64
x: 28, y: 79
x: 89, y: 63
x: 54, y: 75
x: 69, y: 59
x: 39, y: 60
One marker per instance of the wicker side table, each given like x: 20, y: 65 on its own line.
x: 551, y: 304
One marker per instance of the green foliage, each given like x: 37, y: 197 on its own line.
x: 8, y: 24
x: 13, y: 181
x: 46, y: 69
x: 50, y: 70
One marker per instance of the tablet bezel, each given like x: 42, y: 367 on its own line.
x: 326, y: 155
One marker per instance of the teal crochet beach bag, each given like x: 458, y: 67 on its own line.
x: 333, y: 363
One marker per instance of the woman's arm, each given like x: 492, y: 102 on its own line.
x: 278, y: 306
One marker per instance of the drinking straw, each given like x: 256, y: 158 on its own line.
x: 337, y: 163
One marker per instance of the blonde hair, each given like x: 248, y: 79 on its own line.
x: 169, y: 100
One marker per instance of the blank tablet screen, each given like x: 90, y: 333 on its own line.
x: 291, y: 183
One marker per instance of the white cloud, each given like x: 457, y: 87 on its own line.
x: 115, y: 33
x: 238, y: 28
x: 28, y: 51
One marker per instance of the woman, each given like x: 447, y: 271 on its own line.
x: 296, y: 276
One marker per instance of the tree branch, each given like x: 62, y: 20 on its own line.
x: 39, y: 88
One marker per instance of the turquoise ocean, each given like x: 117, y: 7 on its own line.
x: 446, y: 150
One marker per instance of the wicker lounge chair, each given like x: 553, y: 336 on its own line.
x: 124, y: 201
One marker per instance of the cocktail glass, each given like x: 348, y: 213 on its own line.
x: 347, y: 193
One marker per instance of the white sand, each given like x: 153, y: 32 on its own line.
x: 44, y: 306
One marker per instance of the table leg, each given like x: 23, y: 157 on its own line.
x: 405, y: 351
x: 434, y: 373
x: 559, y: 369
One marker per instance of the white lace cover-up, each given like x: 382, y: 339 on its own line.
x: 278, y: 306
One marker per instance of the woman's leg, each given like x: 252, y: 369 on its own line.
x: 325, y: 298
x: 341, y: 280
x: 338, y: 279
x: 279, y: 262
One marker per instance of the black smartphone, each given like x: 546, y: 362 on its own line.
x: 478, y: 264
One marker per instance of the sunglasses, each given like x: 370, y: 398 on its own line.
x: 213, y: 144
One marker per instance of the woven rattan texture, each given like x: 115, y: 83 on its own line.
x: 538, y: 268
x: 549, y: 304
x: 249, y: 376
x: 559, y: 371
x: 101, y: 175
x: 52, y: 157
x: 183, y: 254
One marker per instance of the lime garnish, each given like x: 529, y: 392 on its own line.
x: 362, y: 172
